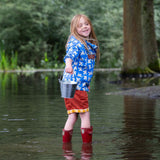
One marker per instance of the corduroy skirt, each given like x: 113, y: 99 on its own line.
x: 77, y: 104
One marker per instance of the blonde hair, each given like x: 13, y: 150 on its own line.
x: 92, y: 37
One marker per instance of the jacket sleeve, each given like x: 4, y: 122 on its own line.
x: 72, y: 51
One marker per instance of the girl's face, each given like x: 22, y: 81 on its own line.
x: 83, y: 28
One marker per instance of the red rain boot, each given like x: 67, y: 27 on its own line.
x: 87, y: 134
x: 67, y: 135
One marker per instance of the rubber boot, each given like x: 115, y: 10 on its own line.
x: 87, y: 134
x: 67, y: 135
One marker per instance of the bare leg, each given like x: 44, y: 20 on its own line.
x: 72, y: 118
x: 85, y: 120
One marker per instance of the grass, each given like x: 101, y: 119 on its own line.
x: 7, y: 63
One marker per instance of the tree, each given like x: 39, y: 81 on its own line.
x: 139, y: 38
x: 149, y: 37
x: 32, y: 28
x: 157, y: 22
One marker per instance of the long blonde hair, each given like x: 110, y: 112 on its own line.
x: 92, y: 37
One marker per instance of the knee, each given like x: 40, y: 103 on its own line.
x: 85, y: 115
x: 73, y: 117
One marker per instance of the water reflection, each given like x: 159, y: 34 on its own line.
x: 139, y: 128
x: 68, y: 152
x: 86, y: 151
x: 8, y: 80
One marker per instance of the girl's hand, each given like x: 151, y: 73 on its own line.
x: 69, y: 68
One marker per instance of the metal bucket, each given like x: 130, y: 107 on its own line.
x: 67, y: 88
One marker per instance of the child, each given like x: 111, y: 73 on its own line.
x: 81, y: 51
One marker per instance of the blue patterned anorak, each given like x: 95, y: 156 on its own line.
x: 83, y: 66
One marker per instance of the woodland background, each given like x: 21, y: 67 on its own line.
x: 33, y: 33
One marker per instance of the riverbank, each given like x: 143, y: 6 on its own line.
x: 56, y: 70
x: 151, y: 92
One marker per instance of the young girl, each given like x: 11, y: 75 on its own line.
x: 81, y: 52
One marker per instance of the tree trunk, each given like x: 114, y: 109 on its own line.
x: 139, y: 37
x: 149, y: 37
x: 133, y: 46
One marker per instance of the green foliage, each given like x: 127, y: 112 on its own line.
x: 7, y: 62
x: 35, y: 27
x: 4, y: 62
x: 45, y: 62
x: 14, y: 59
x: 24, y: 27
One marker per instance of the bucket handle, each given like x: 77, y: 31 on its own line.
x: 61, y: 77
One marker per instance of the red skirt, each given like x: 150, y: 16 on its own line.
x: 78, y: 104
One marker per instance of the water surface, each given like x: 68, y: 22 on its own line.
x: 32, y: 116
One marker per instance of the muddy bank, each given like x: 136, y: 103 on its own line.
x: 151, y: 91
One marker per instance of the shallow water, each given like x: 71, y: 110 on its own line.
x: 32, y: 115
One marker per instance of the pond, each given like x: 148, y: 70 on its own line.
x: 32, y: 116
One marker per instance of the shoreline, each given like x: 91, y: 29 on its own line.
x: 56, y: 70
x: 150, y: 91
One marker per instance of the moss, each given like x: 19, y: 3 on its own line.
x: 137, y: 72
x: 155, y: 66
